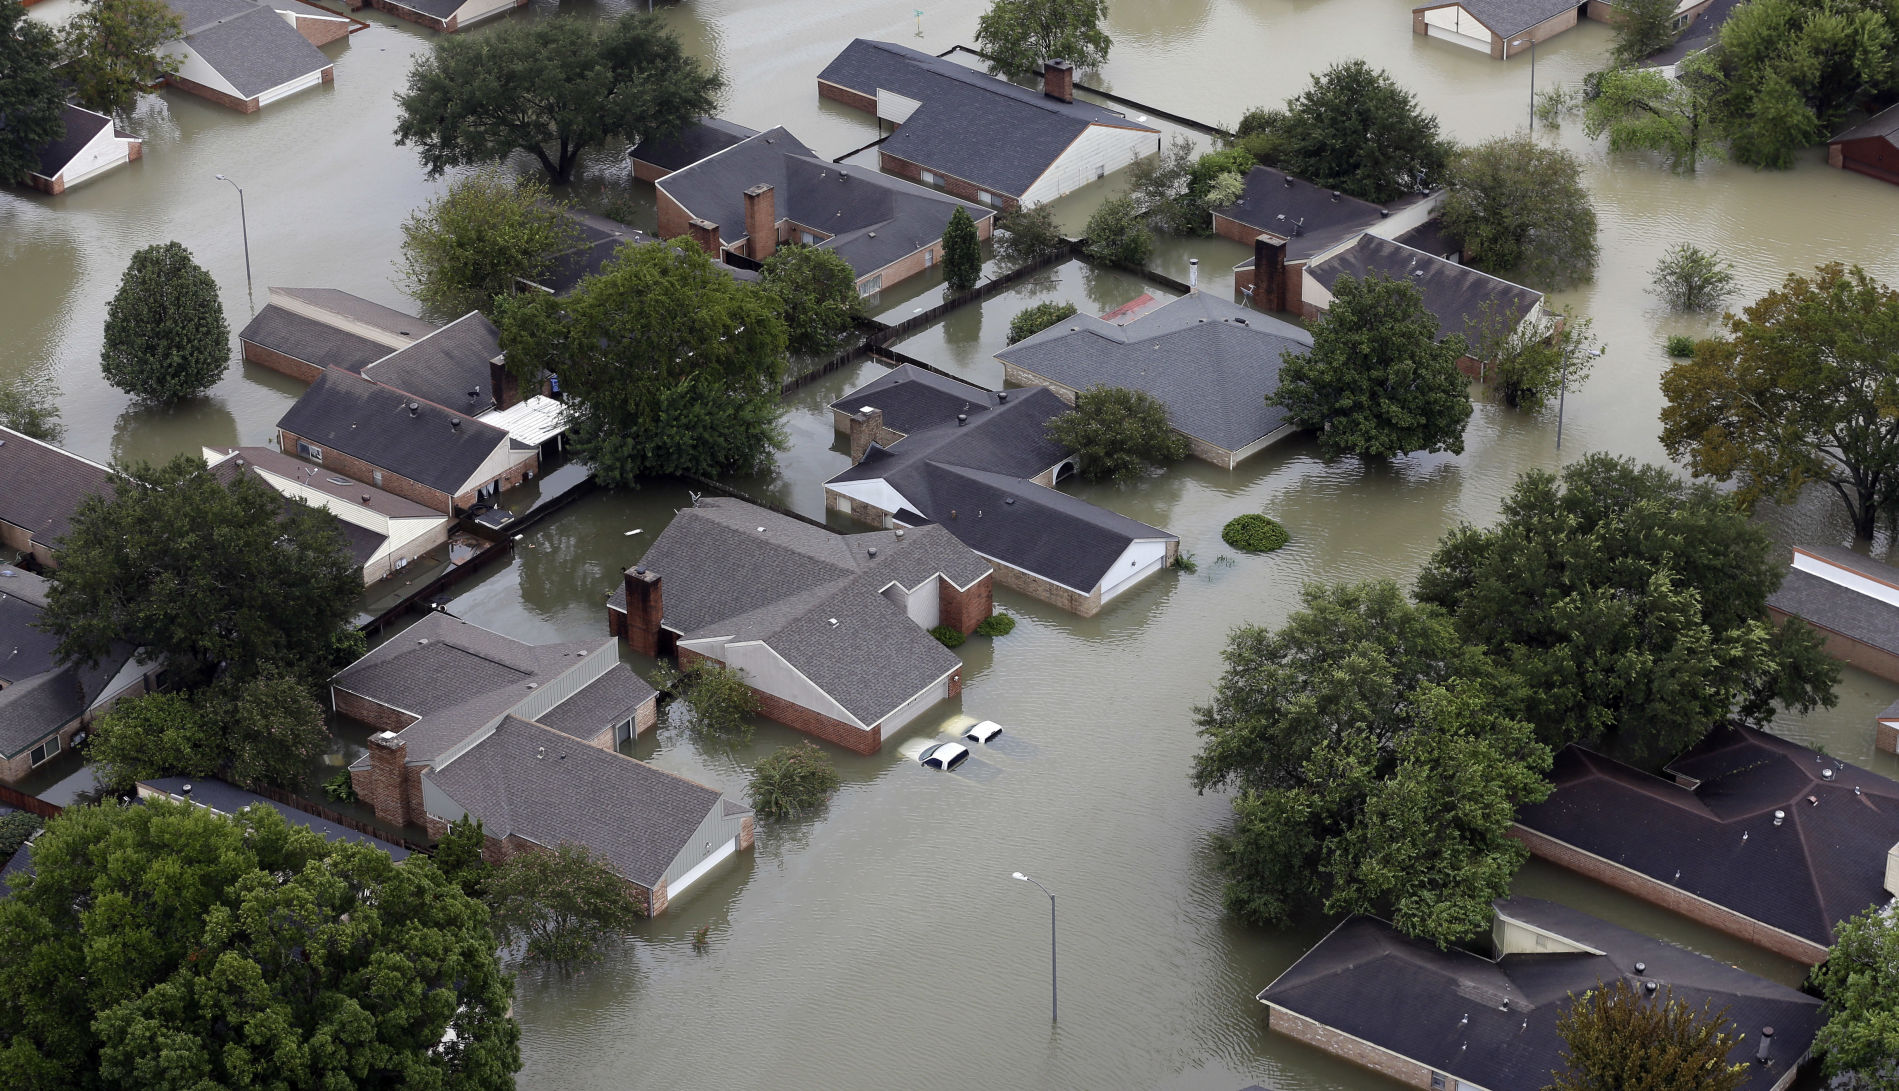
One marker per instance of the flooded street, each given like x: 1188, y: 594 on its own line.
x: 883, y: 944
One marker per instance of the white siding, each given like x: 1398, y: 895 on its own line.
x: 1454, y: 24
x: 545, y: 696
x: 895, y: 108
x: 878, y: 494
x: 498, y: 462
x: 1852, y: 581
x: 714, y: 840
x: 767, y: 671
x: 101, y: 153
x: 1405, y: 219
x: 476, y: 10
x: 284, y: 90
x: 199, y: 71
x: 1100, y: 149
x: 1138, y: 561
x: 923, y: 604
x: 915, y: 706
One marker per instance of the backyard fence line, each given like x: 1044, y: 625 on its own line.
x: 13, y: 797
x: 298, y: 803
x: 1178, y: 119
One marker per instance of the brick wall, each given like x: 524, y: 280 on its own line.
x: 391, y: 786
x: 1671, y: 898
x: 645, y: 607
x: 854, y: 99
x: 1874, y: 158
x: 351, y: 466
x: 412, y: 15
x: 648, y: 172
x: 955, y: 187
x: 320, y: 31
x: 1355, y: 1050
x: 17, y: 767
x: 672, y: 216
x: 1052, y: 593
x: 1229, y: 228
x: 747, y: 833
x: 1887, y: 738
x: 799, y: 718
x: 375, y: 714
x: 1542, y: 31
x: 244, y: 106
x: 300, y: 370
x: 1847, y: 650
x: 964, y: 610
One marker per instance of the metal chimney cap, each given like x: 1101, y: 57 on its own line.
x: 639, y: 570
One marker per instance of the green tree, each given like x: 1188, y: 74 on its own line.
x: 111, y: 51
x: 1375, y: 768
x: 1643, y: 110
x: 16, y: 828
x: 458, y: 857
x: 1377, y: 382
x: 207, y: 576
x: 1632, y: 606
x: 1518, y: 207
x: 1804, y: 389
x: 669, y: 364
x: 1860, y: 983
x: 1689, y: 278
x: 1118, y: 433
x: 722, y: 705
x: 553, y: 88
x: 32, y: 98
x: 166, y: 945
x: 165, y: 336
x: 1531, y: 362
x: 1353, y: 130
x: 27, y: 407
x: 467, y: 246
x: 1180, y: 189
x: 816, y: 291
x: 265, y: 730
x: 1028, y: 235
x: 791, y: 781
x: 1030, y: 321
x: 1615, y: 1039
x: 1642, y: 29
x: 1116, y: 234
x: 1018, y: 35
x: 962, y: 253
x: 1787, y: 72
x: 562, y: 905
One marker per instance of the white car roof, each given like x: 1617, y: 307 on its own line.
x: 985, y: 729
x: 943, y: 751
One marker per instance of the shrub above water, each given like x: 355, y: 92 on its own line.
x: 1254, y: 533
x: 996, y: 625
x: 950, y: 638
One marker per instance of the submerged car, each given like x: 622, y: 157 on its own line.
x: 944, y: 755
x: 983, y: 732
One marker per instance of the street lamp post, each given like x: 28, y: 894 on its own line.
x: 1532, y: 42
x: 1054, y: 1011
x: 244, y: 223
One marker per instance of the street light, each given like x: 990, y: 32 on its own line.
x: 1532, y: 42
x: 1562, y: 397
x: 1053, y: 992
x: 244, y: 223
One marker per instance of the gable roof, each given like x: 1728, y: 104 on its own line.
x: 1211, y: 362
x: 1492, y: 1022
x: 355, y: 308
x: 530, y: 781
x: 1310, y: 218
x: 1830, y: 605
x: 984, y: 130
x: 1825, y: 863
x: 706, y: 136
x: 604, y: 702
x: 81, y: 126
x: 248, y: 43
x: 37, y: 694
x: 229, y: 799
x: 315, y: 479
x: 1454, y: 294
x: 373, y: 422
x: 301, y: 337
x: 41, y: 485
x: 1507, y: 18
x: 449, y: 366
x: 913, y: 398
x: 1883, y: 125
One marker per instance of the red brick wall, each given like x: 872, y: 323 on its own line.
x: 246, y: 106
x: 377, y: 715
x: 1847, y: 650
x: 673, y: 217
x: 18, y: 766
x: 964, y: 610
x: 391, y: 786
x: 1340, y: 1044
x: 350, y: 466
x: 854, y: 99
x: 1887, y: 738
x: 1671, y: 898
x: 319, y: 31
x: 648, y: 172
x: 1228, y: 228
x: 645, y: 606
x: 1873, y: 158
x: 301, y: 370
x: 799, y: 718
x: 955, y: 187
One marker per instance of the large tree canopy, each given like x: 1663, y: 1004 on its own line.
x: 166, y: 946
x: 1118, y: 433
x: 1518, y: 208
x: 1789, y: 71
x: 469, y: 245
x: 1616, y: 1039
x: 551, y: 87
x: 817, y: 296
x: 31, y: 97
x: 669, y: 364
x: 1377, y: 769
x: 255, y: 731
x: 165, y: 334
x: 1804, y: 389
x: 111, y: 49
x: 1641, y: 109
x: 1860, y: 983
x: 561, y: 906
x: 1019, y: 35
x: 1633, y: 607
x: 205, y: 575
x: 1353, y: 130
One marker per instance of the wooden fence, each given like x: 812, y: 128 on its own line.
x: 13, y: 797
x: 309, y: 807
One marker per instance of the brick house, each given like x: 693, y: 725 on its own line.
x: 447, y: 16
x: 600, y: 241
x: 829, y: 630
x: 90, y: 146
x: 1870, y: 148
x: 1747, y: 833
x: 770, y: 190
x: 926, y: 448
x: 981, y: 138
x: 247, y: 55
x: 301, y: 331
x: 419, y: 450
x: 1505, y: 28
x: 708, y: 136
x: 41, y: 487
x: 1852, y: 601
x: 1212, y: 363
x: 1451, y: 1019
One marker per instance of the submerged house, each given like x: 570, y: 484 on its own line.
x: 1870, y: 148
x: 1443, y: 1019
x: 1852, y: 601
x: 41, y: 487
x: 830, y: 631
x: 302, y: 331
x: 447, y: 16
x: 1747, y: 833
x: 929, y: 449
x: 1211, y: 362
x: 90, y: 146
x: 981, y: 138
x: 219, y: 797
x: 1505, y: 28
x: 247, y: 55
x: 708, y: 136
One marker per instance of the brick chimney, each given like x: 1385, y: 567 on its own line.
x: 388, y: 792
x: 505, y: 388
x: 1058, y: 80
x: 866, y: 425
x: 1269, y: 273
x: 644, y: 609
x: 761, y: 222
x: 706, y: 234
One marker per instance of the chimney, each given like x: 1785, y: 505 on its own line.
x: 504, y: 388
x: 866, y: 425
x: 1269, y: 273
x: 1193, y: 275
x: 1058, y: 80
x: 761, y: 222
x: 1767, y: 1043
x: 388, y: 793
x: 644, y: 610
x: 706, y: 234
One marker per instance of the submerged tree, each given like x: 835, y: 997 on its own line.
x: 1030, y: 321
x: 962, y: 253
x: 1789, y: 71
x: 1616, y: 1039
x: 1518, y: 207
x: 1860, y: 983
x: 112, y: 51
x: 1642, y: 28
x: 1643, y: 110
x: 32, y: 98
x: 563, y: 906
x: 165, y: 335
x: 265, y: 730
x: 1018, y: 35
x: 791, y: 781
x: 1689, y: 278
x: 1118, y: 433
x: 1355, y: 130
x: 1117, y: 235
x: 816, y: 291
x: 469, y: 245
x: 1027, y: 235
x: 1532, y: 361
x: 27, y: 407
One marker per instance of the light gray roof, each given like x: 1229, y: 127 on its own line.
x: 609, y: 699
x: 37, y: 695
x: 1507, y: 18
x: 358, y: 309
x: 1211, y: 362
x: 248, y: 44
x: 1454, y: 294
x: 533, y: 782
x: 301, y: 337
x: 449, y: 366
x: 1823, y: 603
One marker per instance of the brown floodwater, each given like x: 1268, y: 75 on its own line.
x: 883, y: 943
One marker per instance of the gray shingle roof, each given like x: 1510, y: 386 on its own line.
x: 607, y: 700
x: 358, y: 309
x: 1826, y: 863
x: 81, y: 126
x: 1821, y: 602
x: 1493, y: 1023
x: 37, y: 695
x: 330, y: 483
x: 913, y: 399
x: 370, y: 421
x: 313, y: 342
x: 449, y: 367
x: 1884, y: 124
x: 439, y: 9
x: 978, y: 128
x: 707, y: 136
x: 1454, y: 294
x: 1309, y: 217
x: 41, y: 486
x: 1507, y: 18
x: 230, y: 799
x: 533, y: 782
x: 1210, y: 361
x: 248, y: 44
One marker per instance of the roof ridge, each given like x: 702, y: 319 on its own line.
x: 55, y: 448
x: 1444, y: 261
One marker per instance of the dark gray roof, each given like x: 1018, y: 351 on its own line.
x: 1827, y: 605
x: 230, y: 799
x: 41, y: 486
x: 984, y: 130
x: 1493, y: 1023
x: 247, y: 43
x: 707, y: 136
x: 313, y: 342
x: 1210, y: 361
x: 1454, y: 294
x: 1309, y: 217
x: 329, y: 482
x: 358, y: 309
x: 533, y: 782
x: 607, y: 700
x: 1507, y: 18
x: 913, y: 399
x: 440, y: 9
x: 449, y: 367
x: 81, y: 126
x: 371, y: 422
x: 1431, y: 238
x: 38, y: 696
x: 1826, y: 863
x: 1884, y: 125
x: 1697, y: 37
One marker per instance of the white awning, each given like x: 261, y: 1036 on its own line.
x: 534, y: 421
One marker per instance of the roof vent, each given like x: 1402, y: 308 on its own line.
x: 1641, y: 968
x: 871, y: 234
x: 365, y: 498
x: 1288, y: 182
x: 899, y: 533
x: 639, y: 570
x: 873, y: 551
x: 1335, y: 196
x: 414, y: 408
x: 1648, y: 987
x: 1826, y: 774
x: 833, y: 622
x: 454, y: 422
x: 761, y: 530
x: 1383, y: 212
x: 186, y: 789
x: 963, y: 418
x: 1767, y: 1043
x: 1813, y: 801
x: 1779, y: 817
x: 1008, y: 499
x: 1002, y: 396
x: 540, y: 752
x: 475, y: 393
x: 534, y: 685
x: 422, y: 640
